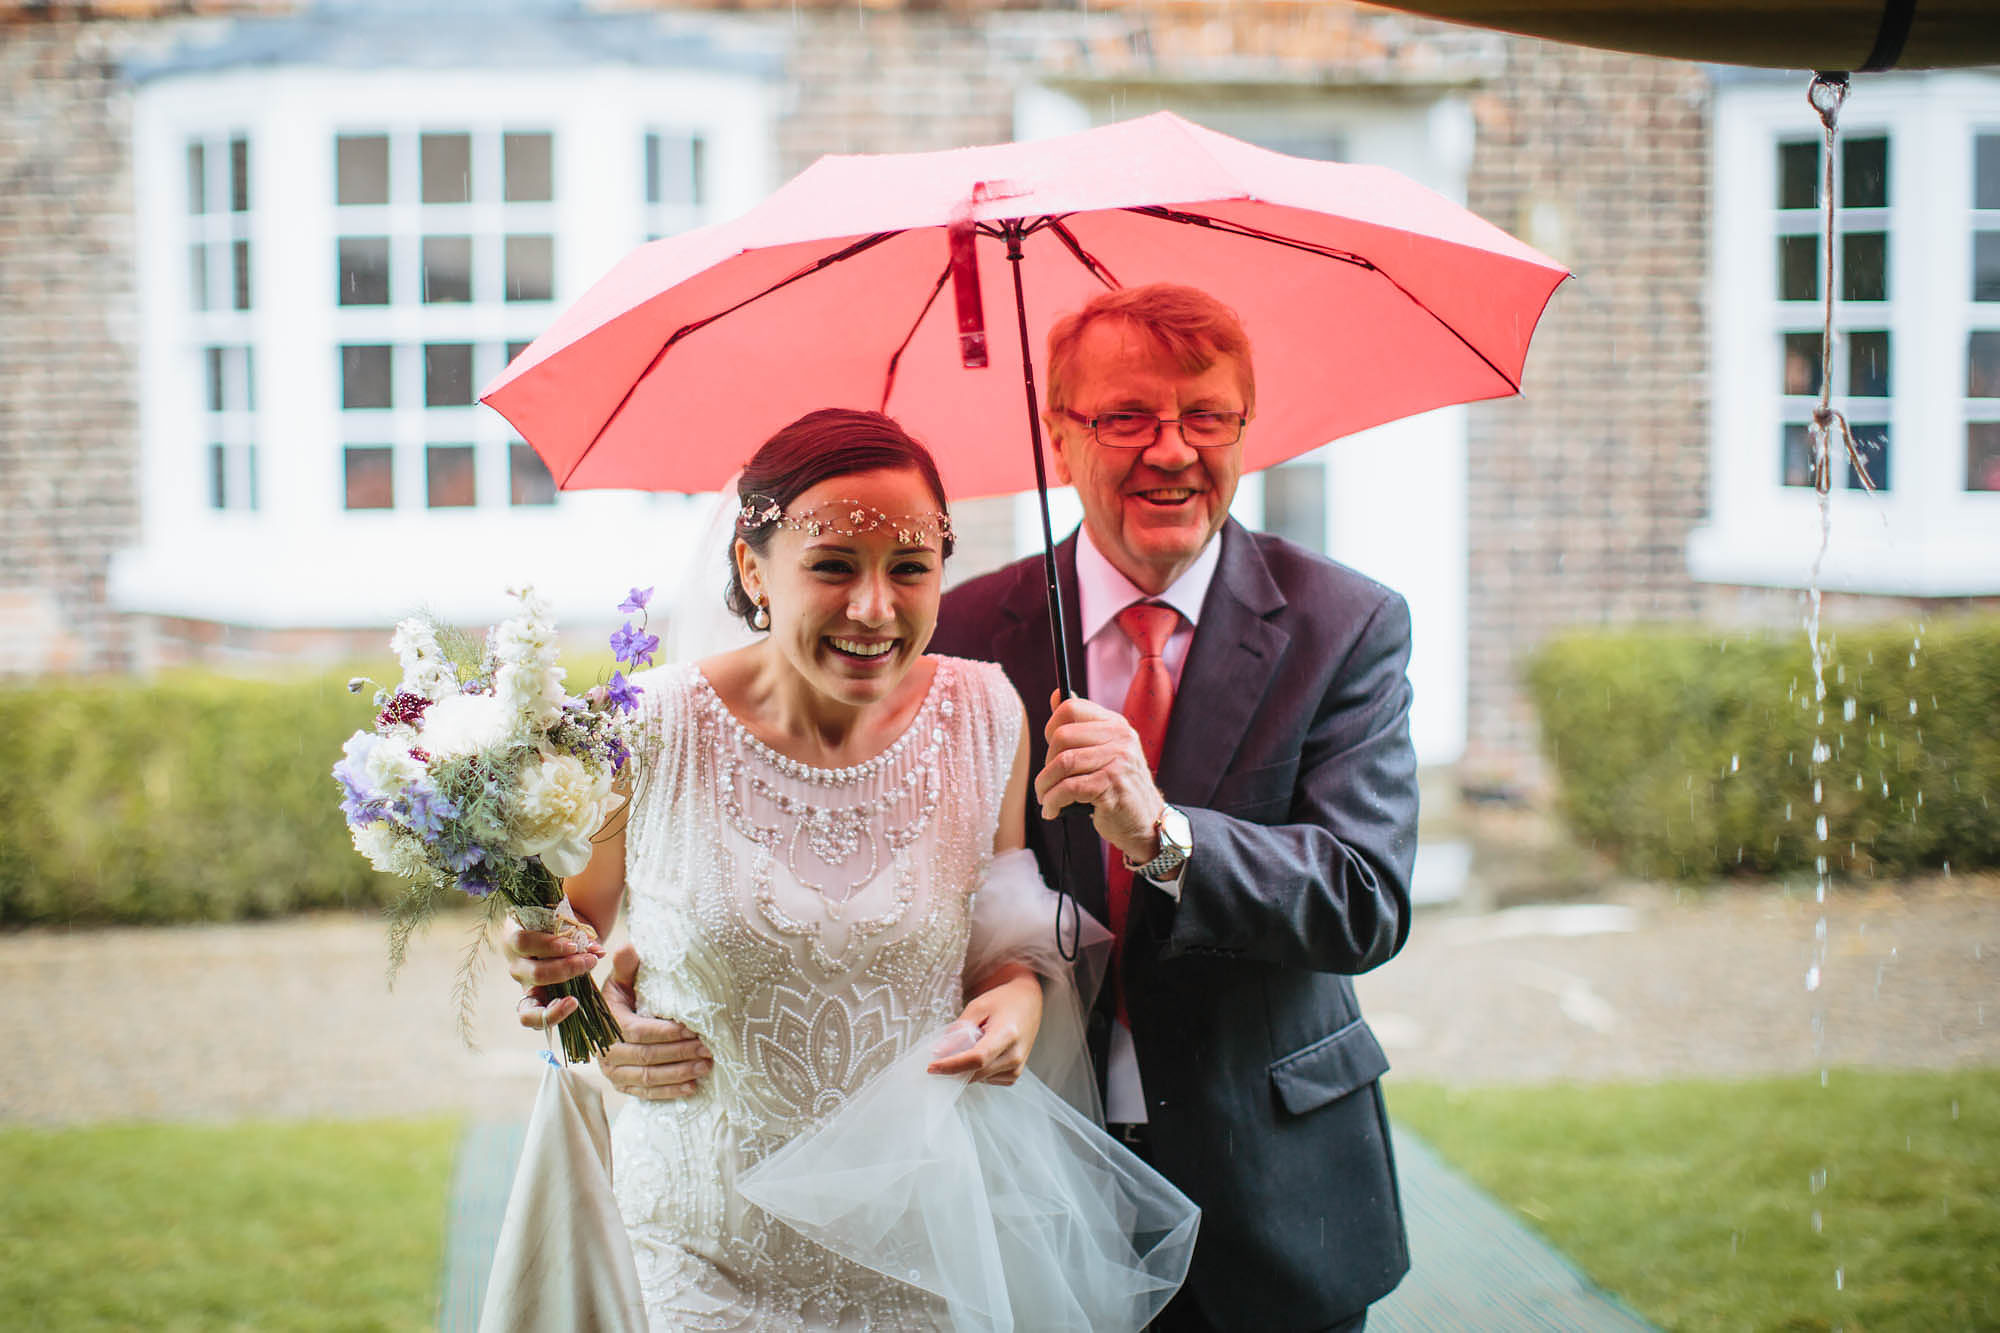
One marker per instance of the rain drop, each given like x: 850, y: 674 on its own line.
x: 1847, y: 710
x: 1819, y: 793
x: 1735, y: 762
x: 1840, y: 1279
x: 1819, y: 1180
x: 1819, y: 827
x: 1816, y: 1222
x: 1812, y: 983
x: 1913, y: 708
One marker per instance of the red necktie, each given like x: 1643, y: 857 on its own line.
x: 1148, y: 701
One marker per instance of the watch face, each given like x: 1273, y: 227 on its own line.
x: 1175, y: 831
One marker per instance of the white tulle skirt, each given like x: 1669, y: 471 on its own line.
x: 1008, y: 1203
x: 1011, y: 1204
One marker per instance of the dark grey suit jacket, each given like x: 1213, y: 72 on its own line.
x: 1289, y: 749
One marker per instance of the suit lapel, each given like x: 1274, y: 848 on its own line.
x: 1229, y: 668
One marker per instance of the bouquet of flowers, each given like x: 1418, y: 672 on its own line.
x: 481, y: 775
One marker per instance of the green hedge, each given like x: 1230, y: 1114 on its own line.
x: 191, y: 798
x: 1690, y: 755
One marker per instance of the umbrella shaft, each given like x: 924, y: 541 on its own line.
x: 1056, y: 625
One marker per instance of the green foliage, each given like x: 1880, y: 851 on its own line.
x: 1695, y: 1202
x: 1691, y: 756
x: 327, y: 1225
x: 191, y: 798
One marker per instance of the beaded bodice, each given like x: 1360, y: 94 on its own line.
x: 810, y: 924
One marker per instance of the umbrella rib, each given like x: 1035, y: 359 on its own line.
x: 1083, y: 256
x: 824, y: 261
x: 889, y: 380
x: 1327, y: 252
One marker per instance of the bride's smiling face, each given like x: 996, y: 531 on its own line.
x: 851, y: 612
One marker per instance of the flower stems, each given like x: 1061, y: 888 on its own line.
x: 590, y: 1031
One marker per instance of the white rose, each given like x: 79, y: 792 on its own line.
x: 467, y: 724
x: 387, y: 768
x: 558, y: 804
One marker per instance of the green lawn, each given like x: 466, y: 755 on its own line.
x: 1696, y: 1202
x: 319, y: 1225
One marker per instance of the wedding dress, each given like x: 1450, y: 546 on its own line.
x: 813, y: 926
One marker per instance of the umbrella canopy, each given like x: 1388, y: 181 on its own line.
x: 1366, y: 297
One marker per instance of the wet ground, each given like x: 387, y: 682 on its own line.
x: 293, y: 1018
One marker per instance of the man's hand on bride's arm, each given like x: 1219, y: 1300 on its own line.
x: 659, y: 1059
x: 1008, y: 1012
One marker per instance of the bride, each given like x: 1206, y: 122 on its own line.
x: 824, y: 872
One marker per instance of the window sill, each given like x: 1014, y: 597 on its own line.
x: 1862, y: 557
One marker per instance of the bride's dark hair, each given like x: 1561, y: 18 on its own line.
x: 819, y: 446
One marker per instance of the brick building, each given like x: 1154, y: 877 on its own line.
x: 255, y: 256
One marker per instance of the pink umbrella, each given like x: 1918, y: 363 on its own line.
x: 864, y: 281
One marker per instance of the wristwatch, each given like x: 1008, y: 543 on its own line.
x: 1176, y: 845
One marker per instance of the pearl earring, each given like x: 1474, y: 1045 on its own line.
x: 760, y: 618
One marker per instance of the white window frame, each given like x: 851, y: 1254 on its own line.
x: 300, y: 558
x: 1927, y: 535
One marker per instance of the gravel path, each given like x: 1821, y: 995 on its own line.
x: 292, y: 1018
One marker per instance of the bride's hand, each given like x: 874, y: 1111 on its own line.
x: 540, y: 960
x: 1008, y: 1012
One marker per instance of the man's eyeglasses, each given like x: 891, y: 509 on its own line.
x: 1139, y: 430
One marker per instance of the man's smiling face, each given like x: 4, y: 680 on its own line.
x: 1150, y: 511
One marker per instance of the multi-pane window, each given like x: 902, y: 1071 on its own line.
x: 416, y: 401
x: 229, y: 406
x: 220, y: 290
x: 1982, y: 350
x: 441, y: 235
x: 1862, y: 379
x: 676, y: 169
x: 218, y: 205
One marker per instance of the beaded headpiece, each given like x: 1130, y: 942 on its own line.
x: 845, y: 518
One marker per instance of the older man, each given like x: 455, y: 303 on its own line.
x: 1242, y: 745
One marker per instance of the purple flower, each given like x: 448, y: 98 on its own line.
x: 634, y: 646
x: 424, y: 812
x: 464, y: 858
x: 475, y: 885
x: 618, y: 751
x: 621, y: 693
x: 636, y: 600
x: 361, y: 806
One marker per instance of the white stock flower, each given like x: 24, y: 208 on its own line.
x: 469, y: 724
x: 425, y: 670
x: 557, y: 805
x: 535, y: 692
x: 390, y: 851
